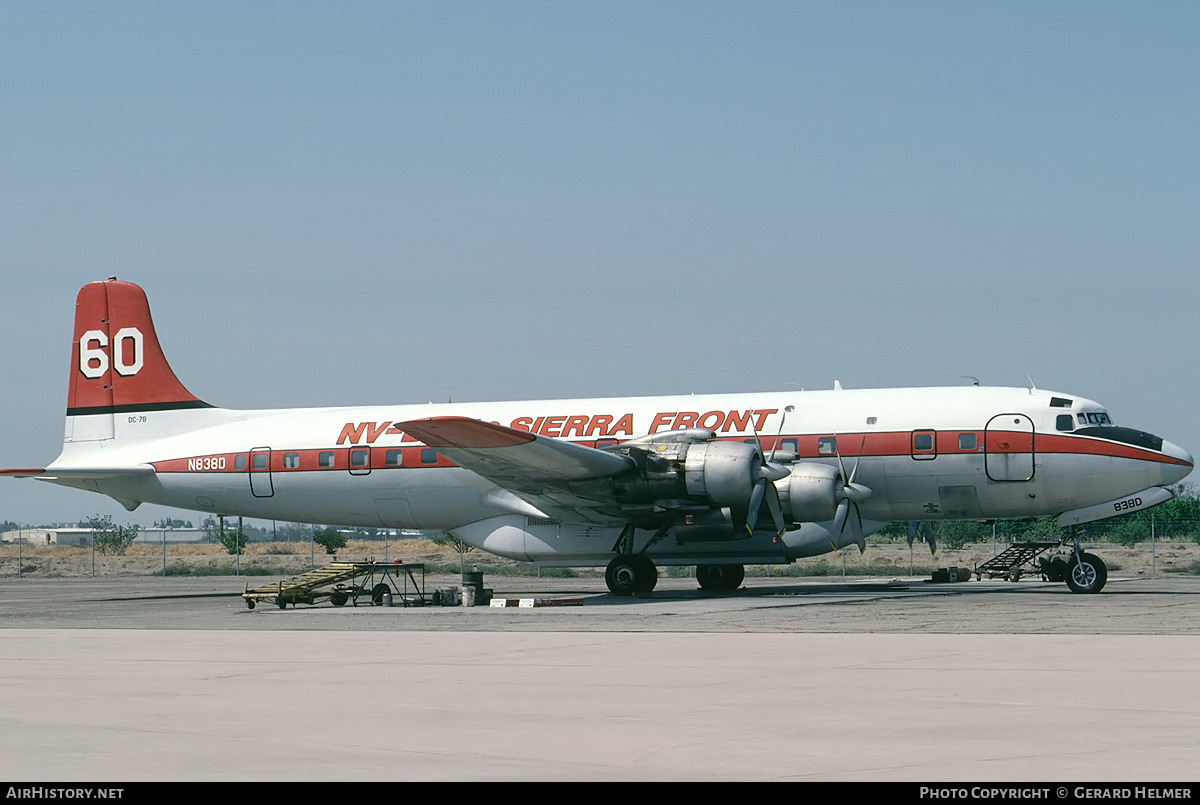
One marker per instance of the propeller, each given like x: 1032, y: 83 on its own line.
x: 927, y: 530
x: 850, y: 495
x: 764, y: 484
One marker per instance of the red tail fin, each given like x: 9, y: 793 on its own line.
x: 117, y: 364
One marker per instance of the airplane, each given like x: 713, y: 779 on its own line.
x: 717, y: 481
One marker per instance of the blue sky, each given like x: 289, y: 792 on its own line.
x: 343, y: 203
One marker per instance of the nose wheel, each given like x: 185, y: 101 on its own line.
x: 1086, y: 573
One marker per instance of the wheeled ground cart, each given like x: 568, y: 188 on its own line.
x: 347, y: 582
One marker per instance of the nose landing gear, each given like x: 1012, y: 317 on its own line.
x: 1086, y: 573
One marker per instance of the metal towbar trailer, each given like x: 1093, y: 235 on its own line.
x: 343, y: 582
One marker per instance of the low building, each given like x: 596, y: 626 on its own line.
x: 48, y: 535
x: 75, y: 536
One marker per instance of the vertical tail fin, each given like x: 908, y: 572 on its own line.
x: 117, y: 365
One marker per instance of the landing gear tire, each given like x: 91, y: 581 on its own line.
x: 629, y: 575
x: 1086, y: 574
x: 720, y: 578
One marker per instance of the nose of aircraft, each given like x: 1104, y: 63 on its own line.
x: 1176, y: 472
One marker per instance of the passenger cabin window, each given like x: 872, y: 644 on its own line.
x: 923, y: 444
x: 291, y: 461
x: 1065, y: 422
x: 790, y: 445
x: 239, y: 461
x: 967, y: 441
x: 259, y: 461
x: 325, y: 458
x: 393, y: 458
x: 603, y: 443
x: 429, y: 455
x: 360, y: 457
x: 827, y: 446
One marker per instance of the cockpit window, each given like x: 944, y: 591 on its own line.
x: 1065, y: 422
x: 1094, y: 418
x: 1137, y: 438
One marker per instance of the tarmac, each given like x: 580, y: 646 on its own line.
x: 129, y: 679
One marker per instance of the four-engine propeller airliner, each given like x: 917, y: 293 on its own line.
x: 715, y: 481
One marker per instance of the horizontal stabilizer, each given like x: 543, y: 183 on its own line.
x: 80, y: 473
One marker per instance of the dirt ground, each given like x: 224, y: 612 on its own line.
x: 281, y: 559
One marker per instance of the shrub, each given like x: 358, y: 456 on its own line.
x: 330, y: 539
x: 109, y: 538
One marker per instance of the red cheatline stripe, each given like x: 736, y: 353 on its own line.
x: 470, y: 433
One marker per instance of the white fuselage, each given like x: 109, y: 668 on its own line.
x: 924, y: 453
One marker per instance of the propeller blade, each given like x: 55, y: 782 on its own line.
x: 776, y: 510
x: 841, y: 465
x: 931, y: 534
x: 787, y: 409
x: 756, y: 498
x: 857, y: 458
x: 764, y: 485
x: 856, y: 528
x: 764, y: 489
x: 926, y: 530
x: 842, y: 518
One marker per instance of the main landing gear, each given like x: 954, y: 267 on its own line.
x: 632, y: 573
x: 720, y: 578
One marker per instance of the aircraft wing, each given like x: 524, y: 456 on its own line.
x: 537, y: 469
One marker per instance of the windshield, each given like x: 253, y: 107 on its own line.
x: 1137, y: 438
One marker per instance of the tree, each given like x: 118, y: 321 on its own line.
x: 109, y: 538
x: 292, y: 532
x: 445, y: 538
x: 330, y: 539
x: 234, y: 540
